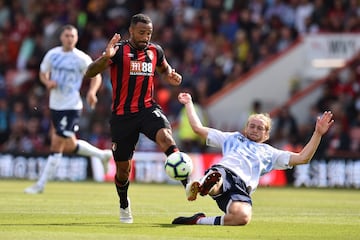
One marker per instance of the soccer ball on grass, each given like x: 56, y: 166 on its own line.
x: 178, y: 165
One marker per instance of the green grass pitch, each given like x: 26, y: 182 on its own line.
x: 89, y: 210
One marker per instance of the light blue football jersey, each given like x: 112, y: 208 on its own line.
x: 246, y: 158
x: 67, y: 69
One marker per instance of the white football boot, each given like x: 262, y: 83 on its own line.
x: 34, y: 189
x: 125, y: 214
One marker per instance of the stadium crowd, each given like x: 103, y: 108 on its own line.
x: 210, y: 42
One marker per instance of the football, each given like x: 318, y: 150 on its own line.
x: 178, y: 165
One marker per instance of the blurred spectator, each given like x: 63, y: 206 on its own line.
x: 50, y: 31
x: 285, y: 39
x: 4, y: 122
x: 286, y: 127
x: 237, y: 70
x: 355, y: 133
x: 189, y: 67
x: 318, y: 16
x: 276, y: 9
x: 245, y: 23
x: 153, y: 12
x: 339, y: 112
x: 99, y: 137
x: 303, y: 12
x: 352, y: 15
x: 215, y: 80
x: 16, y: 141
x: 19, y: 112
x: 241, y: 46
x: 227, y: 26
x: 255, y: 40
x: 257, y: 9
x: 97, y: 42
x: 33, y: 142
x: 338, y: 140
x: 326, y: 99
x: 36, y: 52
x: 4, y: 14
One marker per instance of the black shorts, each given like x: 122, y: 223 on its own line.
x: 66, y: 122
x: 125, y: 130
x: 234, y: 189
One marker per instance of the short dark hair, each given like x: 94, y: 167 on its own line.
x: 140, y: 18
x: 68, y: 27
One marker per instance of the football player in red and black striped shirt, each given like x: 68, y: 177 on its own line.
x: 133, y: 63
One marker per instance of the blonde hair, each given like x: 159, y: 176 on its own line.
x: 264, y: 117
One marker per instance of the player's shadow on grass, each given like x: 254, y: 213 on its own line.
x: 92, y: 224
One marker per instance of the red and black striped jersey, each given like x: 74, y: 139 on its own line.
x: 132, y: 77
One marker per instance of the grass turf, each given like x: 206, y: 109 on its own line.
x: 88, y: 210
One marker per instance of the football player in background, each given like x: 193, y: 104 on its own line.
x: 62, y: 71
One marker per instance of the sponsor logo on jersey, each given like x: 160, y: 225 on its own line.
x: 141, y: 68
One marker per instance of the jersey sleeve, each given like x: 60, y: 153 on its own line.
x: 281, y: 159
x: 216, y: 138
x: 160, y: 55
x: 45, y: 65
x: 86, y: 60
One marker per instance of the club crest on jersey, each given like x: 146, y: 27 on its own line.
x: 150, y: 54
x: 241, y: 138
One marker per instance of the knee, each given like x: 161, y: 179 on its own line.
x: 242, y: 219
x: 122, y: 175
x: 122, y: 171
x: 237, y: 219
x: 164, y: 139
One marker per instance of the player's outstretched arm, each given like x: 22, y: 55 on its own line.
x: 194, y: 120
x: 100, y: 64
x: 323, y: 123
